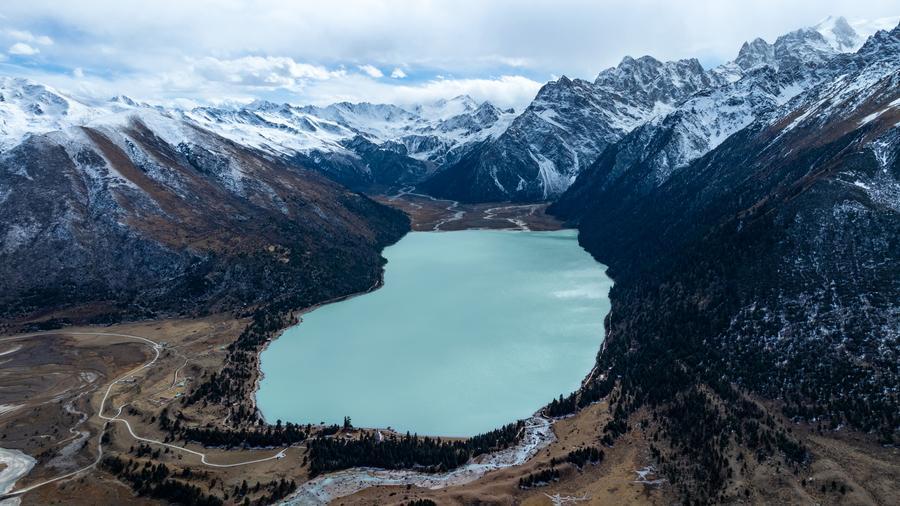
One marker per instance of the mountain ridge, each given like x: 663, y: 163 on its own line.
x: 571, y: 122
x: 156, y: 213
x: 770, y: 263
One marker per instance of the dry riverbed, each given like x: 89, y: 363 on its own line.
x: 430, y: 214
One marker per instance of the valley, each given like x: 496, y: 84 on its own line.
x: 870, y: 472
x: 236, y: 302
x: 147, y: 370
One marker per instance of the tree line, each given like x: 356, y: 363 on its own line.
x: 154, y: 481
x: 406, y: 452
x: 581, y: 456
x: 539, y: 479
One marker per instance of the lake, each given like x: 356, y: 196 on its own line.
x: 471, y: 330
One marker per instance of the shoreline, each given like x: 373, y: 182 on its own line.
x: 331, y: 486
x: 469, y: 472
x: 298, y: 319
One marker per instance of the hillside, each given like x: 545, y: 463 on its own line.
x: 143, y: 212
x: 771, y: 264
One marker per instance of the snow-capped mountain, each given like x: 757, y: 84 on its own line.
x: 811, y: 98
x: 360, y: 145
x: 770, y: 76
x: 771, y: 261
x: 29, y: 108
x: 429, y: 132
x: 566, y: 126
x: 475, y: 151
x: 356, y: 144
x: 143, y: 203
x: 842, y: 37
x: 571, y: 122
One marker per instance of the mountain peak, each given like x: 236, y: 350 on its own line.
x: 564, y: 79
x: 657, y: 81
x: 261, y: 105
x: 839, y: 34
x: 755, y: 53
x: 884, y: 44
x: 463, y: 98
x: 803, y: 46
x: 123, y: 100
x: 628, y: 62
x: 443, y: 108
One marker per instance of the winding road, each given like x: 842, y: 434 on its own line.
x: 156, y: 347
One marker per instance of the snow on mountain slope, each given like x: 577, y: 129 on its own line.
x: 705, y: 120
x: 29, y: 108
x: 702, y: 122
x: 798, y: 96
x: 274, y: 128
x: 563, y: 130
x: 444, y: 109
x: 284, y: 128
x: 828, y: 98
x: 873, y: 71
x: 571, y: 122
x: 806, y: 46
x: 478, y: 151
x: 838, y: 33
x: 141, y: 201
x: 356, y: 144
x: 790, y: 226
x: 451, y: 130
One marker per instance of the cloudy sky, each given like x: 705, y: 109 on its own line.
x: 402, y: 51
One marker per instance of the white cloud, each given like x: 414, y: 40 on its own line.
x: 78, y: 72
x: 504, y: 91
x: 371, y: 71
x: 261, y: 71
x: 21, y: 48
x: 572, y: 37
x: 26, y: 36
x: 496, y: 50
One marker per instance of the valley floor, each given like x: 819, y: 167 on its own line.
x: 54, y: 384
x: 430, y: 214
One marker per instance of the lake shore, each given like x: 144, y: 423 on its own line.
x: 513, y: 308
x: 325, y: 489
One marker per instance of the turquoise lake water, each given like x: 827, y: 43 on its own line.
x: 471, y: 330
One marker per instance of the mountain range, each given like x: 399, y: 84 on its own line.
x: 476, y: 152
x: 342, y: 140
x: 571, y: 122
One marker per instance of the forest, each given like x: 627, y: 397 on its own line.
x: 582, y: 456
x: 250, y: 436
x: 539, y: 479
x: 155, y: 481
x: 407, y: 452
